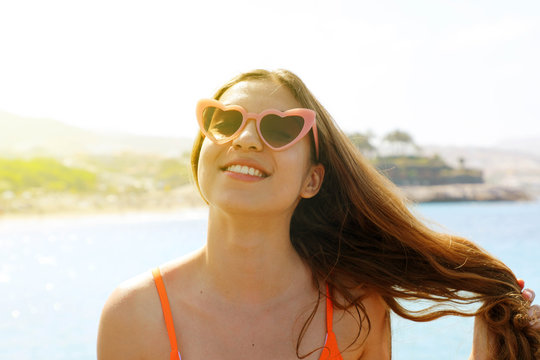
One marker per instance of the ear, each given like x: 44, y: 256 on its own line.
x: 313, y: 181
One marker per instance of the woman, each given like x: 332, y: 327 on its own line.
x: 308, y: 248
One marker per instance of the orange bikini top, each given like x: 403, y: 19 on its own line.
x: 329, y: 352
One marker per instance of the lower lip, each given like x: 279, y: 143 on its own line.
x: 243, y: 177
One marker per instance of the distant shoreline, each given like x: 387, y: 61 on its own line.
x: 135, y: 216
x: 186, y: 199
x: 69, y: 205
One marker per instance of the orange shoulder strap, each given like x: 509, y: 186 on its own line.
x: 166, y: 311
x: 330, y: 350
x: 329, y: 311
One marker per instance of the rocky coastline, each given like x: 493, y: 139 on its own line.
x: 465, y: 192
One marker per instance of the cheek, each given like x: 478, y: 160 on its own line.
x: 208, y: 153
x: 296, y: 163
x: 203, y: 158
x: 207, y: 161
x: 303, y: 153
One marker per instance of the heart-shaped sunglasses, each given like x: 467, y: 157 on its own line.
x: 279, y: 130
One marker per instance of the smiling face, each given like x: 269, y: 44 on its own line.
x: 244, y: 174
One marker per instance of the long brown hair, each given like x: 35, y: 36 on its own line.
x: 359, y: 231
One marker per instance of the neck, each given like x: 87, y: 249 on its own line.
x: 251, y: 259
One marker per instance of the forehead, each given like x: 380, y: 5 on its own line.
x: 258, y: 95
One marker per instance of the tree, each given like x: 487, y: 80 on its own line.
x: 362, y: 141
x: 401, y: 142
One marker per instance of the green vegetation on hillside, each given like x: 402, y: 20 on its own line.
x: 421, y: 170
x: 48, y: 174
x: 172, y: 173
x: 130, y: 172
x: 112, y: 174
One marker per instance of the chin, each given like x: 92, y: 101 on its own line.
x: 250, y: 207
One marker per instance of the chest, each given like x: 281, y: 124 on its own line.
x: 273, y: 333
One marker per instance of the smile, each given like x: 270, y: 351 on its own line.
x: 246, y: 170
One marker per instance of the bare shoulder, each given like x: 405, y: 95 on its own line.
x: 132, y: 325
x: 129, y: 320
x: 373, y: 341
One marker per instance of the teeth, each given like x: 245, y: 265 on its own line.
x: 245, y: 170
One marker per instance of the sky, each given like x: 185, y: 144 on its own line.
x: 448, y: 72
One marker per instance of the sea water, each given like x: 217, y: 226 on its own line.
x: 56, y: 274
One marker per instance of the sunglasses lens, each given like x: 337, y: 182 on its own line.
x: 280, y: 131
x: 221, y: 124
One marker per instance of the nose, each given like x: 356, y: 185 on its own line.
x: 248, y: 139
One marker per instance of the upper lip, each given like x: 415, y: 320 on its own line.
x: 249, y: 163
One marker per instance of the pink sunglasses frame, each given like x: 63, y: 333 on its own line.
x: 307, y: 114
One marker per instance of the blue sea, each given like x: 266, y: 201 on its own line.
x: 55, y: 274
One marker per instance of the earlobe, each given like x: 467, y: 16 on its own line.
x: 313, y: 181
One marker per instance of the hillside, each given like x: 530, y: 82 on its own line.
x: 528, y: 145
x: 21, y: 136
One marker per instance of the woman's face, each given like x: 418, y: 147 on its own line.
x: 276, y: 180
